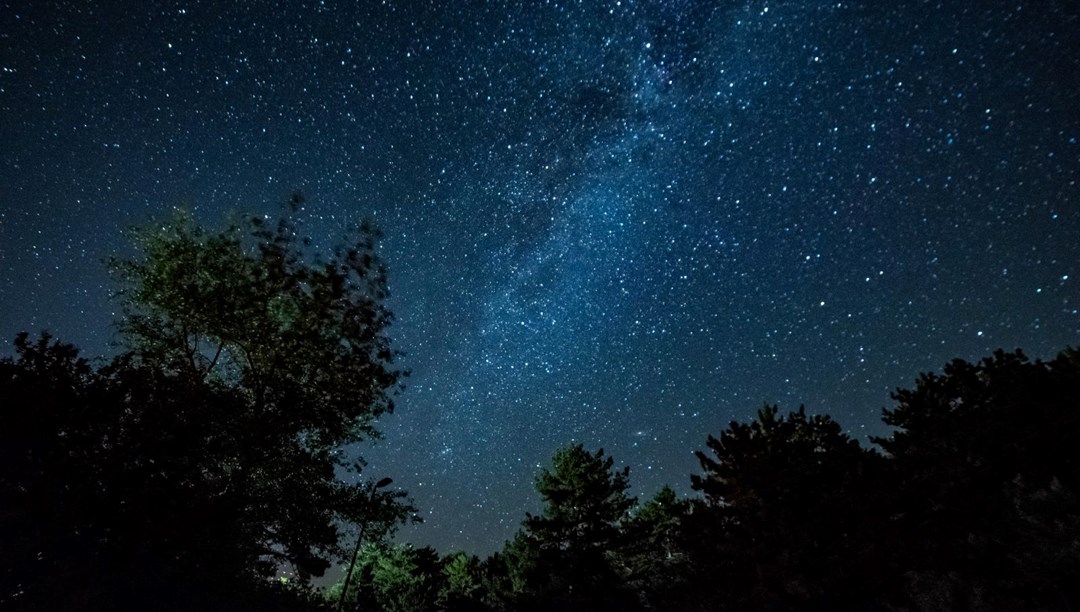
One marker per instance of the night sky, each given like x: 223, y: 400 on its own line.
x: 620, y: 223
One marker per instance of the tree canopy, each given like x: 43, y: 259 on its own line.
x: 211, y: 450
x: 304, y: 339
x: 560, y: 558
x: 212, y: 465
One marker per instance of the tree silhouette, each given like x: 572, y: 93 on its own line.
x: 652, y: 558
x: 300, y: 345
x: 784, y: 498
x: 985, y: 464
x: 207, y: 457
x: 560, y: 559
x: 395, y: 579
x: 50, y: 456
x: 463, y: 587
x: 303, y: 339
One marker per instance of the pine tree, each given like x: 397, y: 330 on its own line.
x: 561, y: 559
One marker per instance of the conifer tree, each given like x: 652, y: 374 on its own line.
x: 561, y: 559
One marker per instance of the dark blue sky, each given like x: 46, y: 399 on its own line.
x: 620, y: 223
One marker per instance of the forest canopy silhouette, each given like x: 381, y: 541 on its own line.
x: 212, y: 464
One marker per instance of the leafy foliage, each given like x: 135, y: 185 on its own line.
x: 303, y: 339
x: 210, y: 451
x: 463, y: 587
x: 393, y: 578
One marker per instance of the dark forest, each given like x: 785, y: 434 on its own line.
x: 216, y: 463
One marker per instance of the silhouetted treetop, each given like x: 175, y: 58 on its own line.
x: 774, y: 459
x: 249, y: 307
x: 584, y: 497
x: 208, y: 456
x: 1004, y: 414
x: 561, y: 559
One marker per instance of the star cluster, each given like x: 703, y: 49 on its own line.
x: 620, y: 223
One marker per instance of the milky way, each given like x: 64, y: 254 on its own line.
x: 618, y: 223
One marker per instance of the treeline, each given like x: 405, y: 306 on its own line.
x: 204, y: 468
x: 972, y: 506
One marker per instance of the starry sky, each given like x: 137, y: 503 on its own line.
x: 614, y: 222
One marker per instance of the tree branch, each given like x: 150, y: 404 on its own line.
x: 213, y: 362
